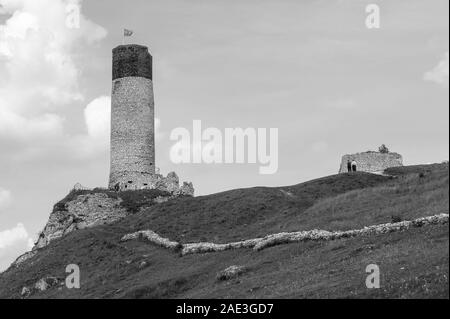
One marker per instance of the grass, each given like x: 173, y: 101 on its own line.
x: 413, y: 264
x: 132, y: 201
x: 408, y: 197
x: 244, y: 213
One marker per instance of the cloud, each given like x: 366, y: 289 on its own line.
x: 19, y: 128
x: 97, y: 116
x: 439, y: 74
x: 5, y: 198
x: 92, y: 143
x: 13, y: 243
x: 11, y: 237
x: 39, y: 73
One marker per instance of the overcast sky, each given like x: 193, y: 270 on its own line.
x: 310, y: 68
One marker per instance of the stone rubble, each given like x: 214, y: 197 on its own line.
x: 285, y: 238
x: 25, y: 292
x: 230, y: 273
x: 45, y: 283
x: 42, y: 284
x: 153, y: 238
x: 199, y: 248
x: 171, y: 184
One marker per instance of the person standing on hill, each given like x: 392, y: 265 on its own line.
x: 354, y: 164
x: 349, y: 166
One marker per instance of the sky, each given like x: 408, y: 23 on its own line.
x: 311, y: 68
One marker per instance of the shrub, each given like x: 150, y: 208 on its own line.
x: 133, y: 200
x: 383, y: 149
x: 396, y: 219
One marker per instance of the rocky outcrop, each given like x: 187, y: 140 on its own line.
x: 45, y: 283
x: 25, y: 292
x: 84, y: 211
x: 42, y: 284
x: 84, y: 208
x: 88, y: 208
x: 285, y: 238
x: 371, y: 162
x: 28, y: 255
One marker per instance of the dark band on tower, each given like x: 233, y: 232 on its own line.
x: 132, y: 60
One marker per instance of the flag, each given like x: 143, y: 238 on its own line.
x: 127, y: 33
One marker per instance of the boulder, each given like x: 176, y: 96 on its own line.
x: 230, y: 273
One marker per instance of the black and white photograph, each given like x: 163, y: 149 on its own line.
x: 226, y: 157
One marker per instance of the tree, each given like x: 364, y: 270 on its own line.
x: 383, y: 149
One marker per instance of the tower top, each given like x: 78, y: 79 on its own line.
x: 132, y: 60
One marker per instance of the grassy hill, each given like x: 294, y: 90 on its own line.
x: 413, y: 263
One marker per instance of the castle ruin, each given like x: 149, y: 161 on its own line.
x: 133, y: 125
x: 371, y: 162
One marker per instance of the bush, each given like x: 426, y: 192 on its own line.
x: 383, y: 149
x: 134, y: 200
x: 396, y: 219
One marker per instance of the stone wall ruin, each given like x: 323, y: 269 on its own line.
x: 372, y: 162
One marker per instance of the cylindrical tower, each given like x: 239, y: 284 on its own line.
x: 132, y: 119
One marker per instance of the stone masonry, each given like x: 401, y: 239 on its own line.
x: 372, y: 162
x: 133, y: 125
x: 132, y: 119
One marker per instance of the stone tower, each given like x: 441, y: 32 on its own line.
x: 132, y: 119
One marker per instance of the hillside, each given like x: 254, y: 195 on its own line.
x: 413, y: 263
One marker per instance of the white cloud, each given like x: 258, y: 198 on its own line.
x: 5, y: 198
x: 39, y: 73
x: 97, y: 116
x: 13, y: 243
x: 439, y: 74
x: 16, y: 127
x: 11, y: 237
